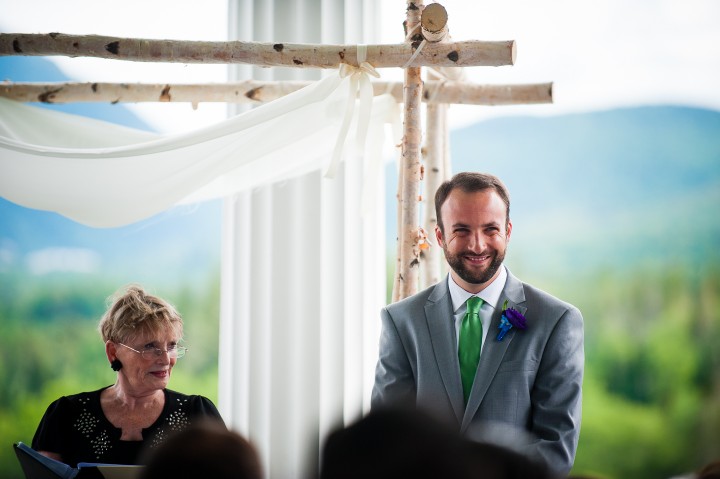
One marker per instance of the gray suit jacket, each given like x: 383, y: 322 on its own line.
x: 529, y: 383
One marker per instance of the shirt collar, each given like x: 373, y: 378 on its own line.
x: 490, y: 295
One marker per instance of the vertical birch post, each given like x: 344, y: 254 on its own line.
x: 434, y: 28
x: 434, y: 168
x: 446, y: 168
x: 406, y: 276
x: 399, y: 234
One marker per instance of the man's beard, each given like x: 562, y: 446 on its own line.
x: 474, y: 277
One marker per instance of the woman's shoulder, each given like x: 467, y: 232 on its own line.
x: 192, y: 404
x: 80, y: 399
x: 191, y: 400
x: 68, y: 408
x: 171, y: 394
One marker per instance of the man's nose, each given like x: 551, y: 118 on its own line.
x: 476, y: 243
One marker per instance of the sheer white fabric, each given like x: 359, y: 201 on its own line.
x: 104, y: 175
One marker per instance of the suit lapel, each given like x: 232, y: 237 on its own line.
x: 493, y: 350
x: 439, y: 316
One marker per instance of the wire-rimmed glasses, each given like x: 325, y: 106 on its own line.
x: 154, y: 353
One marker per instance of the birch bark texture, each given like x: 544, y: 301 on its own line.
x: 254, y: 92
x: 434, y: 151
x: 406, y: 280
x: 297, y: 55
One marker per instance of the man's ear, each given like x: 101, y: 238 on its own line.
x: 509, y: 230
x: 438, y: 236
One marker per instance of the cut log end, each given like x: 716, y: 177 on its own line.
x: 513, y: 52
x: 434, y: 17
x: 434, y: 23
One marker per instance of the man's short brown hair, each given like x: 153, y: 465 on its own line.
x: 470, y: 182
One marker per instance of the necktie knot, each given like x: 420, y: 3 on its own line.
x: 473, y: 305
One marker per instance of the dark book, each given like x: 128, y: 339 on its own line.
x: 37, y: 466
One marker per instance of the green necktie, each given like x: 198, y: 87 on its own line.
x: 469, y: 344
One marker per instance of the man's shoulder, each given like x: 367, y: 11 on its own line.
x: 418, y: 300
x: 537, y: 293
x: 538, y: 296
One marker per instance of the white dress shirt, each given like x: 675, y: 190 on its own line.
x: 490, y: 296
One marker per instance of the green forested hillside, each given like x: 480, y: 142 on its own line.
x: 651, y: 394
x: 616, y: 212
x: 651, y: 406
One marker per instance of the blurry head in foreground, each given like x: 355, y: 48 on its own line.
x: 389, y: 444
x: 392, y: 443
x: 205, y: 449
x: 710, y: 471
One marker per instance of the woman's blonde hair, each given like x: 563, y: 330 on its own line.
x: 134, y: 312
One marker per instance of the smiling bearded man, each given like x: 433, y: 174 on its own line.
x: 488, y: 354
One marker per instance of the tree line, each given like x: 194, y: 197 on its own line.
x: 651, y: 396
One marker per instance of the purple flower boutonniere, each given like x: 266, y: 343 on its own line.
x: 510, y: 317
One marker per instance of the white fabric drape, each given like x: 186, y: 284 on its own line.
x: 104, y: 175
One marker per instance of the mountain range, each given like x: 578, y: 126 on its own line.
x: 603, y: 189
x: 608, y: 189
x: 617, y: 187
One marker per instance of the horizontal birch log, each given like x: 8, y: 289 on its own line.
x: 463, y: 54
x: 253, y: 91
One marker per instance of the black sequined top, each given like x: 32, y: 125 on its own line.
x: 76, y: 428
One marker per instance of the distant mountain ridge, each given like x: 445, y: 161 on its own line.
x: 608, y: 188
x: 180, y: 245
x: 604, y: 189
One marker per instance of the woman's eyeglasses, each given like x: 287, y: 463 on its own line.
x: 154, y: 353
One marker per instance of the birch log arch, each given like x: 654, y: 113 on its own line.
x: 427, y: 44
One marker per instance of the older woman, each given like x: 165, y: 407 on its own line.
x: 116, y: 423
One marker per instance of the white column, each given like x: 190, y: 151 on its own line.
x: 332, y: 270
x: 303, y: 275
x: 259, y: 313
x: 332, y: 299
